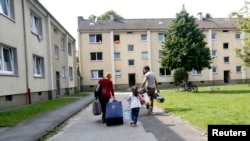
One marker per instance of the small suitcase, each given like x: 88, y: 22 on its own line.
x: 114, y: 113
x: 97, y: 110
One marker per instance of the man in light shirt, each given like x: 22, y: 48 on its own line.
x: 151, y: 86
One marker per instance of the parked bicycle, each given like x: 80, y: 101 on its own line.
x: 189, y: 87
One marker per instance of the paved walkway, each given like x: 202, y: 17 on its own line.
x: 159, y: 126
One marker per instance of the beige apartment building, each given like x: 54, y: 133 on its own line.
x: 37, y: 55
x: 123, y: 47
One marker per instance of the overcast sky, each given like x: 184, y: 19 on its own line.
x: 67, y: 11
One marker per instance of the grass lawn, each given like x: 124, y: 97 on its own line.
x: 229, y: 105
x: 15, y: 116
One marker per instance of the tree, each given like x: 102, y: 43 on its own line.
x: 208, y: 16
x: 243, y: 21
x: 184, y: 46
x: 106, y: 16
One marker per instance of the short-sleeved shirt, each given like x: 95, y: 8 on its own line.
x: 151, y: 80
x: 135, y: 102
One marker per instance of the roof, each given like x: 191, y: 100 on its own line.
x: 152, y: 24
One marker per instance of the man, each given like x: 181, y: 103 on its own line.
x: 151, y: 86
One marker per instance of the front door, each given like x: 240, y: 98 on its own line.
x: 226, y: 76
x: 57, y: 83
x: 131, y: 79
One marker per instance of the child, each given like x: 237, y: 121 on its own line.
x: 135, y: 105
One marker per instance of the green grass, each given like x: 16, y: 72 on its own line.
x: 229, y: 105
x: 16, y: 116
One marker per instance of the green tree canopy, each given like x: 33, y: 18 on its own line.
x: 106, y: 16
x: 243, y: 21
x: 184, y: 46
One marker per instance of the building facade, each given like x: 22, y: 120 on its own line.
x: 37, y: 55
x: 123, y: 47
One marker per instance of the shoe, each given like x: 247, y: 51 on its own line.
x: 134, y: 125
x: 150, y: 110
x: 147, y: 105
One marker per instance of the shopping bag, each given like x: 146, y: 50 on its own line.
x: 97, y: 110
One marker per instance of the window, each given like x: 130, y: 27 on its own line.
x: 131, y: 62
x: 117, y: 55
x: 237, y: 35
x: 36, y: 26
x: 214, y: 36
x: 118, y: 73
x: 70, y: 73
x: 63, y: 44
x: 63, y: 71
x: 165, y: 71
x: 96, y: 56
x: 38, y: 66
x: 56, y: 52
x: 7, y: 8
x: 96, y: 74
x: 224, y: 30
x: 116, y: 38
x: 225, y: 46
x: 129, y: 32
x: 130, y: 48
x: 144, y: 55
x: 95, y: 38
x: 214, y: 53
x: 144, y: 37
x: 238, y: 69
x: 214, y: 69
x: 195, y: 72
x: 69, y: 49
x: 226, y: 59
x: 161, y: 37
x: 7, y: 60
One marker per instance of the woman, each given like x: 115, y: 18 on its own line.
x: 106, y: 93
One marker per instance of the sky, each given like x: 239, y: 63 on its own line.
x: 67, y: 11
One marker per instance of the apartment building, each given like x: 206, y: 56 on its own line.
x: 123, y: 47
x: 37, y: 55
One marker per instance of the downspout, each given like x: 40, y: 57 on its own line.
x: 25, y: 52
x: 112, y: 56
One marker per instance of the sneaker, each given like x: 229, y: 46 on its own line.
x: 150, y: 110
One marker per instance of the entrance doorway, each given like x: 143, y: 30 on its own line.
x: 131, y: 79
x: 57, y: 83
x: 226, y: 76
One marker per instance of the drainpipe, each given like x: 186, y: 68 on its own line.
x: 25, y: 53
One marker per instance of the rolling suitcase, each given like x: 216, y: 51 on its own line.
x: 114, y: 113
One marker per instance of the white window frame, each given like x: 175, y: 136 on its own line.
x: 238, y: 69
x: 144, y: 55
x: 215, y: 69
x: 94, y: 38
x: 96, y: 74
x: 70, y: 49
x: 144, y: 37
x: 7, y: 8
x: 7, y: 66
x: 70, y: 73
x: 131, y: 61
x: 96, y: 56
x: 63, y: 44
x: 164, y: 71
x: 237, y: 34
x: 225, y: 58
x: 195, y: 72
x: 36, y: 25
x: 131, y: 48
x: 214, y: 53
x: 117, y: 56
x: 38, y: 66
x: 56, y: 52
x: 161, y: 37
x: 63, y: 71
x: 214, y: 36
x: 118, y: 73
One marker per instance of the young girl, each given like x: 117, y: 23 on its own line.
x: 135, y: 105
